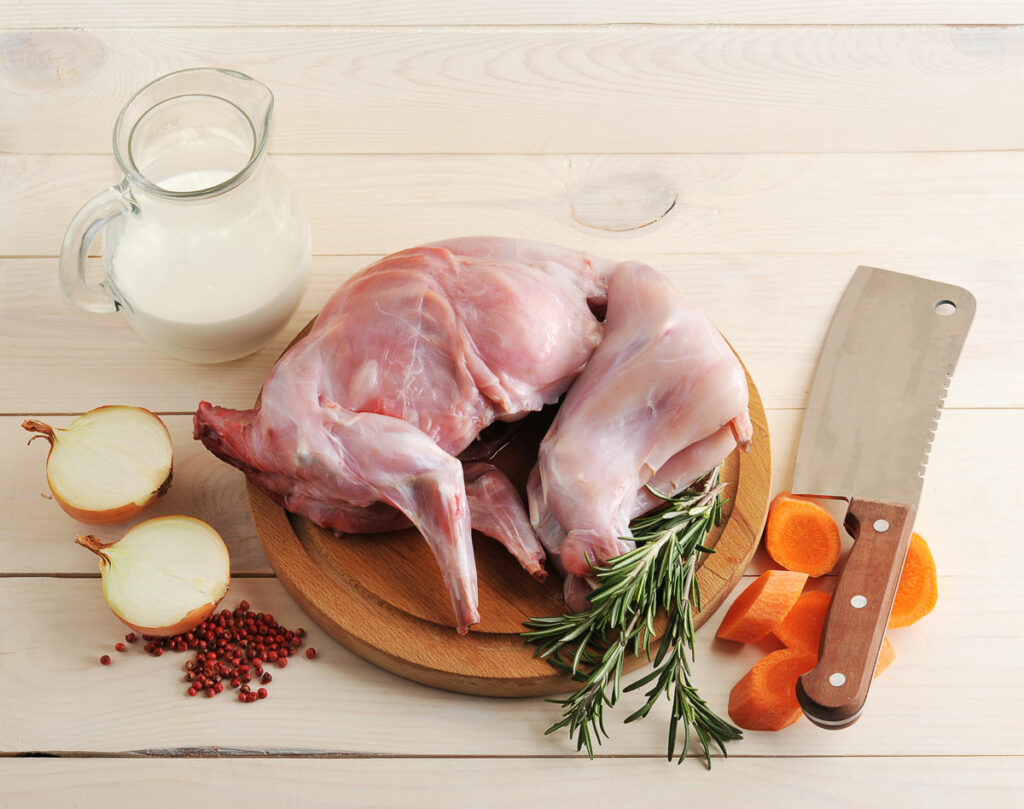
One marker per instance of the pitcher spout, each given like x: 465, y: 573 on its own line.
x: 194, y: 122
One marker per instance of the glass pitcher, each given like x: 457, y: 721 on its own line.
x: 205, y: 249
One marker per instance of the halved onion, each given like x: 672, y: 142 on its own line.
x: 165, y: 575
x: 109, y: 464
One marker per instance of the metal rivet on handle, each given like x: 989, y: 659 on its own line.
x: 837, y: 679
x: 858, y: 602
x: 881, y: 526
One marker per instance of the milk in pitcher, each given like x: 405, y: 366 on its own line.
x: 186, y: 286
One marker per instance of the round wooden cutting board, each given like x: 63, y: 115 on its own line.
x: 381, y: 595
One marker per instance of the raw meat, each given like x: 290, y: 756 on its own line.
x: 662, y: 400
x: 496, y: 510
x: 412, y: 357
x: 408, y: 361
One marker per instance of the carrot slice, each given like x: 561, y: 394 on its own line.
x: 918, y: 588
x: 885, y: 657
x: 762, y: 606
x: 801, y: 535
x: 765, y: 698
x: 801, y: 628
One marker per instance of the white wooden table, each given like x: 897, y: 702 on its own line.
x: 756, y: 152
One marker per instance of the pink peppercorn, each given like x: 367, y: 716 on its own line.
x: 230, y: 648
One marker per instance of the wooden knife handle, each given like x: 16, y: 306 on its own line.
x: 832, y: 694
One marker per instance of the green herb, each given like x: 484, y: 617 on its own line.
x: 659, y: 574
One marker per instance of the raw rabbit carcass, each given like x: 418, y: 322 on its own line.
x: 361, y: 421
x: 661, y: 402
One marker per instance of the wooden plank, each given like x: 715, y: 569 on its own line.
x: 57, y: 697
x: 615, y: 205
x: 233, y: 13
x: 501, y: 783
x: 36, y: 536
x: 775, y: 309
x: 545, y: 89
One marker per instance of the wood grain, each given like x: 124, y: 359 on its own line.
x: 913, y: 781
x: 382, y: 596
x: 763, y: 242
x: 968, y: 204
x: 544, y: 89
x: 274, y: 13
x: 341, y: 704
x: 55, y: 358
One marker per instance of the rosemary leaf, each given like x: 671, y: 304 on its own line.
x: 660, y: 573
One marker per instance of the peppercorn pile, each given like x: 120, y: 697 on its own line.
x: 233, y: 647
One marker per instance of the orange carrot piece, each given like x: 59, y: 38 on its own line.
x: 765, y: 698
x: 801, y: 628
x: 918, y: 588
x: 885, y: 657
x: 762, y: 606
x: 801, y: 535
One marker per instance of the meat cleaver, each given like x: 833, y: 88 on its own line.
x: 881, y: 378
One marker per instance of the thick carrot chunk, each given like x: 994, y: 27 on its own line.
x: 762, y: 606
x: 800, y: 535
x: 918, y: 588
x: 765, y: 699
x: 802, y: 627
x: 885, y: 657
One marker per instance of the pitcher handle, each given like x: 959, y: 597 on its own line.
x: 91, y: 218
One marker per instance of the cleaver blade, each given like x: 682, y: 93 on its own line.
x: 872, y: 413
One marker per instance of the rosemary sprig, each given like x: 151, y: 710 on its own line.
x: 659, y: 574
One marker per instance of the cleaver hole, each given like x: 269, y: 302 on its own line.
x: 945, y: 308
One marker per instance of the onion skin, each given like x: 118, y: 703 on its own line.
x: 110, y: 516
x: 189, y: 622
